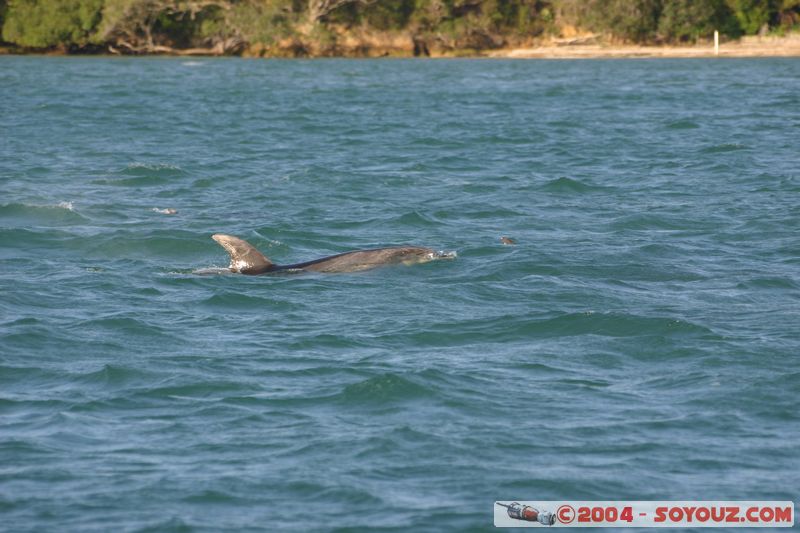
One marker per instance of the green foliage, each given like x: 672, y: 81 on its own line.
x: 265, y: 21
x: 688, y: 20
x: 47, y: 23
x: 2, y: 14
x: 389, y: 14
x: 631, y: 20
x: 753, y: 14
x: 184, y: 31
x: 676, y: 20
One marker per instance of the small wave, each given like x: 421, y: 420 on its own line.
x: 140, y: 181
x: 121, y: 325
x: 415, y: 218
x: 113, y: 375
x: 240, y: 301
x: 385, y: 388
x: 59, y: 214
x: 651, y: 222
x: 203, y: 183
x: 142, y: 174
x: 139, y: 168
x: 616, y: 325
x: 202, y: 389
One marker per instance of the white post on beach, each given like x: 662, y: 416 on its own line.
x: 716, y: 43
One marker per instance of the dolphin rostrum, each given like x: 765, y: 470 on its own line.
x: 246, y: 259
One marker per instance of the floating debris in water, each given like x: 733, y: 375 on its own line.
x: 167, y: 211
x: 507, y: 240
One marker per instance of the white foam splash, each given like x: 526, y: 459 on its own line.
x: 212, y: 271
x: 66, y: 205
x: 152, y: 166
x: 165, y: 211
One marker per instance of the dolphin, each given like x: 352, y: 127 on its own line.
x: 246, y: 259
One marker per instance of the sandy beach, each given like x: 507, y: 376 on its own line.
x: 751, y: 46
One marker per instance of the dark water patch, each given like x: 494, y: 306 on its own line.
x: 652, y: 221
x: 564, y: 185
x: 238, y: 301
x: 614, y: 325
x: 212, y: 497
x: 664, y: 251
x: 168, y: 525
x: 497, y: 212
x: 477, y: 188
x: 538, y: 369
x: 24, y: 447
x: 770, y: 183
x: 335, y: 341
x: 724, y: 148
x: 121, y: 325
x: 558, y: 91
x: 164, y: 244
x: 585, y: 383
x: 383, y: 389
x: 204, y: 183
x: 684, y: 124
x: 26, y: 321
x: 512, y: 329
x: 770, y: 283
x: 677, y: 381
x: 566, y: 124
x: 15, y: 375
x: 669, y: 269
x: 40, y: 339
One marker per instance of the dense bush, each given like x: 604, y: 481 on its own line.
x: 688, y: 20
x: 144, y: 25
x: 48, y: 23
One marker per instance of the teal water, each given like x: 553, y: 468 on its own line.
x: 640, y: 341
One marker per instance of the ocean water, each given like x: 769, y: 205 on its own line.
x: 639, y: 341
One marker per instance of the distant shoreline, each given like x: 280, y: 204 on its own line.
x: 746, y: 47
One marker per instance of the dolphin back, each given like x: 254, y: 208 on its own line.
x: 245, y: 258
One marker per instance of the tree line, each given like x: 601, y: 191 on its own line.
x: 317, y: 27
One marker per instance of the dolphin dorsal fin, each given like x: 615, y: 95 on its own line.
x: 245, y: 258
